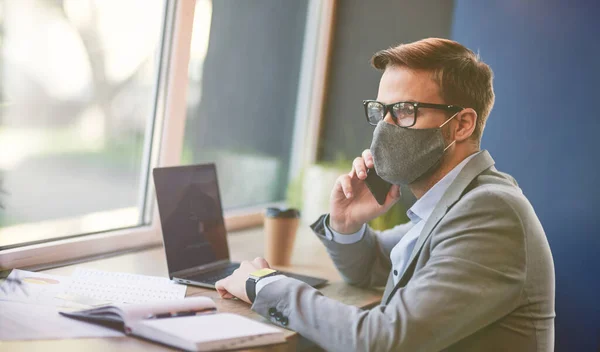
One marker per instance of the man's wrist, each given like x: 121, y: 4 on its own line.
x: 254, y: 278
x: 341, y: 228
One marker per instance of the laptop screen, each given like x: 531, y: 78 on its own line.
x: 191, y: 216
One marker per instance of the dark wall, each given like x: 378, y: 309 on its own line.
x: 544, y: 131
x: 250, y: 79
x: 361, y: 29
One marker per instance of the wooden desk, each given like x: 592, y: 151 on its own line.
x: 309, y: 257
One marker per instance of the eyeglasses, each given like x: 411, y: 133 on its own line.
x: 404, y: 113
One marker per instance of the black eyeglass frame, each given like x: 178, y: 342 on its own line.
x: 415, y: 104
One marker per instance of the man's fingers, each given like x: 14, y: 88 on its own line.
x: 393, y: 195
x: 346, y: 185
x: 245, y: 265
x: 260, y: 262
x: 394, y: 191
x: 359, y: 166
x: 368, y: 158
x: 221, y: 290
x: 220, y: 286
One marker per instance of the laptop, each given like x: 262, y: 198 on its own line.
x: 193, y: 227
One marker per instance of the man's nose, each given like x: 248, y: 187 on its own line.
x: 389, y: 119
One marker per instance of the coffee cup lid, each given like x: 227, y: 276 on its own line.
x: 282, y: 213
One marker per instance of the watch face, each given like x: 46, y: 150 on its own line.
x: 263, y: 272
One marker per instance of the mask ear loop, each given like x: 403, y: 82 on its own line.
x: 449, y: 145
x: 442, y: 125
x: 451, y: 117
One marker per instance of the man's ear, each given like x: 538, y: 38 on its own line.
x: 467, y: 121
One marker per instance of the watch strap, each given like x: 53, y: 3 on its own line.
x: 251, y: 289
x: 251, y: 285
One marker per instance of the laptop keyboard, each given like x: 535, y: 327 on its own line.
x: 214, y: 276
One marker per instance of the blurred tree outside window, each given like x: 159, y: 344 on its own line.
x: 77, y: 95
x: 78, y: 83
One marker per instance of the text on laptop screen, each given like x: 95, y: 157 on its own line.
x: 191, y: 216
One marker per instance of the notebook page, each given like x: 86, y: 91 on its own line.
x: 234, y: 330
x: 117, y: 287
x: 132, y: 312
x: 141, y: 311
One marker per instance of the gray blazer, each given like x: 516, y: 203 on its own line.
x: 480, y: 278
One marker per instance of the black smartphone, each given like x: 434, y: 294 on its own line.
x: 378, y: 187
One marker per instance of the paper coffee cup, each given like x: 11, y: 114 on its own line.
x: 280, y: 232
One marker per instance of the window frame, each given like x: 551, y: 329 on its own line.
x: 165, y: 150
x: 168, y: 135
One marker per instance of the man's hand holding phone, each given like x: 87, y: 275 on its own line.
x: 352, y: 204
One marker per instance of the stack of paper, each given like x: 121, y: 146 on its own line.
x: 34, y: 288
x: 30, y: 310
x: 123, y: 287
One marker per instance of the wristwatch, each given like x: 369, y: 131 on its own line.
x: 253, y: 279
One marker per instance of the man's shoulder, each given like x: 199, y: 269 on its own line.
x: 496, y: 191
x: 492, y: 183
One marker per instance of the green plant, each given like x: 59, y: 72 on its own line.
x: 396, y: 215
x: 293, y: 195
x: 294, y: 191
x: 342, y: 164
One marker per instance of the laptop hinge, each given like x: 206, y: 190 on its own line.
x: 201, y: 268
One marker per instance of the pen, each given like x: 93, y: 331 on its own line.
x: 181, y: 314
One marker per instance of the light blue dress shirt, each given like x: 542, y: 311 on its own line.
x: 418, y: 215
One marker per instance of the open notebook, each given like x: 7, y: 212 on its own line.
x: 191, y: 324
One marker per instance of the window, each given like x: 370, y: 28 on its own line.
x: 78, y: 95
x: 94, y: 94
x: 244, y: 71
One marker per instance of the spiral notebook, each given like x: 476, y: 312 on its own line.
x: 191, y: 324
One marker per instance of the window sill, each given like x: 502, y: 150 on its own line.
x: 82, y: 248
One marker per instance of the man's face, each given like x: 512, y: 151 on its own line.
x: 401, y: 84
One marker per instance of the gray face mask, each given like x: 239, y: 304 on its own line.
x: 401, y: 155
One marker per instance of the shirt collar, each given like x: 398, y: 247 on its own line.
x: 424, y: 206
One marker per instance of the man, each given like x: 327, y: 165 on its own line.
x: 471, y: 271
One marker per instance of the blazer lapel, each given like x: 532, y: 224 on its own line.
x: 473, y: 168
x: 389, y: 286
